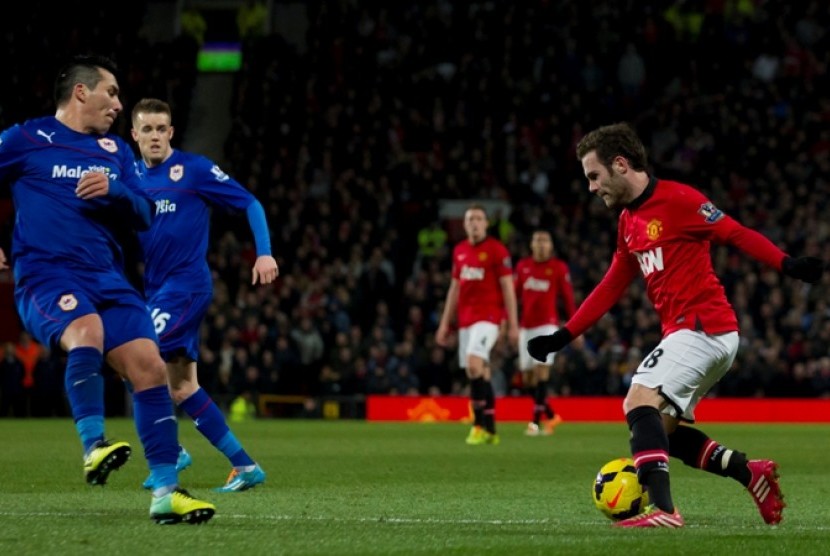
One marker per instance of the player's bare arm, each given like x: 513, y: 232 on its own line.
x: 508, y: 291
x: 265, y: 270
x: 92, y: 185
x: 442, y: 335
x: 3, y: 262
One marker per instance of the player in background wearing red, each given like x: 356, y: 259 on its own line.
x: 664, y: 232
x: 541, y: 280
x: 482, y: 292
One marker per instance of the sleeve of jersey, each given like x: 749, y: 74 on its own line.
x: 504, y: 264
x: 128, y: 191
x: 220, y: 189
x: 259, y: 227
x: 704, y: 220
x: 10, y: 153
x: 749, y: 241
x: 567, y: 289
x: 609, y: 290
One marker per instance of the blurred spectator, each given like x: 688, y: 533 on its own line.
x: 47, y: 395
x: 13, y: 399
x: 352, y: 141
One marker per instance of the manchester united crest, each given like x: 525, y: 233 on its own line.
x: 654, y: 229
x: 482, y: 257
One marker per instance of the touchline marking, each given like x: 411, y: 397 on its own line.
x: 403, y: 520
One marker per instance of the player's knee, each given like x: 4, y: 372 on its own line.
x: 641, y: 396
x: 84, y: 331
x: 140, y: 362
x: 181, y: 391
x: 475, y: 367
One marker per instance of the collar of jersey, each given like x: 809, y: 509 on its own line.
x: 645, y: 195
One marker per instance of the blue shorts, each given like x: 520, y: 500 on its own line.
x: 49, y: 301
x: 178, y: 317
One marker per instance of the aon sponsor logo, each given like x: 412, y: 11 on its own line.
x: 537, y: 285
x: 164, y: 206
x: 472, y: 273
x: 650, y: 261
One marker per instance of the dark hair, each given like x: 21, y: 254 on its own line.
x: 478, y: 206
x: 81, y: 69
x: 151, y: 106
x: 611, y: 141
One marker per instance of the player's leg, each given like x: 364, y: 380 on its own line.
x: 760, y: 477
x: 211, y: 422
x: 57, y: 311
x: 139, y: 361
x: 542, y: 405
x: 476, y: 388
x: 649, y: 443
x: 696, y: 449
x: 539, y: 375
x: 526, y: 366
x: 179, y: 316
x: 672, y: 379
x: 83, y: 342
x: 132, y: 350
x: 482, y: 337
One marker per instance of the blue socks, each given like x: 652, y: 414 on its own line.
x: 85, y: 389
x: 210, y: 421
x: 155, y: 423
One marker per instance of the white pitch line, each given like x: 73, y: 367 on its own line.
x: 398, y: 520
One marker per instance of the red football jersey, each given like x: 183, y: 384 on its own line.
x: 538, y: 287
x: 665, y: 235
x: 478, y: 269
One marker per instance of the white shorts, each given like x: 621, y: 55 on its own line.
x: 684, y: 366
x: 477, y: 339
x: 526, y: 362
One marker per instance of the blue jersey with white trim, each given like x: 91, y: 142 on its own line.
x: 184, y: 187
x: 43, y: 160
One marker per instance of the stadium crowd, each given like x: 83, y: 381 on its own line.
x: 351, y: 143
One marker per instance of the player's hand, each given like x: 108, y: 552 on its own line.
x: 513, y: 336
x: 540, y: 346
x: 442, y: 336
x: 807, y: 269
x: 265, y: 270
x: 3, y: 262
x: 92, y: 185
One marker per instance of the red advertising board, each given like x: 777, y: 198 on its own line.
x: 596, y: 409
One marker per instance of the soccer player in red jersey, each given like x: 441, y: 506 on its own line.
x: 664, y: 233
x: 541, y: 280
x: 482, y: 292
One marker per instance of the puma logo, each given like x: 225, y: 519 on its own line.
x: 48, y: 136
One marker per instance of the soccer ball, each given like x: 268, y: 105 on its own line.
x: 617, y: 493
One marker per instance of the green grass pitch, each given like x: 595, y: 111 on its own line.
x: 348, y: 487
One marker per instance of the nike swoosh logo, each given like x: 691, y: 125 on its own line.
x: 613, y: 502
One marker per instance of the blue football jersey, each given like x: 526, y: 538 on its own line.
x: 43, y: 160
x: 184, y: 187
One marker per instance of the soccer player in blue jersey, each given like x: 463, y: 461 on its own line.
x: 75, y: 188
x: 177, y: 280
